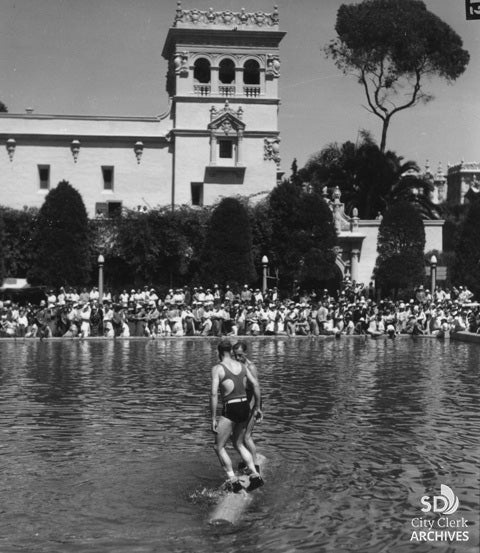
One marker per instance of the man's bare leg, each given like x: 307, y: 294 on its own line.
x: 238, y: 439
x: 224, y: 431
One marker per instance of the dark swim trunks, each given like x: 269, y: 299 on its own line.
x: 236, y: 412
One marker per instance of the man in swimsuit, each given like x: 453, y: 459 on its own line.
x: 230, y: 377
x: 240, y: 353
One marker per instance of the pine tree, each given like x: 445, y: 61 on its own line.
x: 393, y: 47
x: 303, y: 236
x: 61, y: 240
x: 400, y: 247
x: 227, y: 254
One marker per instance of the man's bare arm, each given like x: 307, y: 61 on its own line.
x: 214, y: 397
x: 257, y: 396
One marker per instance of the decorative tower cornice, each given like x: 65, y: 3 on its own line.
x: 226, y: 19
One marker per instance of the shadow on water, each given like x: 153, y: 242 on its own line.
x: 106, y: 445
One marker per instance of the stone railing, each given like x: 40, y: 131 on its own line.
x: 251, y: 91
x: 226, y: 89
x: 202, y: 89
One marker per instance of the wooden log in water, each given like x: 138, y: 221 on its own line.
x: 232, y: 505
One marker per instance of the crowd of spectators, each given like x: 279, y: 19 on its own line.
x: 221, y: 311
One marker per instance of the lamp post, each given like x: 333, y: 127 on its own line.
x: 265, y: 267
x: 75, y: 147
x: 100, y: 261
x: 433, y: 272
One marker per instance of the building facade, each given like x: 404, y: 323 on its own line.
x: 458, y: 185
x: 219, y: 136
x: 463, y: 182
x: 357, y: 241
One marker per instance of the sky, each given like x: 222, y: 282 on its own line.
x: 103, y: 57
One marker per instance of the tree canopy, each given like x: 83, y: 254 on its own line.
x: 303, y: 235
x: 17, y: 251
x: 391, y: 46
x: 160, y: 246
x: 61, y: 239
x: 401, y: 244
x: 369, y: 179
x: 227, y: 254
x: 467, y: 262
x: 2, y: 255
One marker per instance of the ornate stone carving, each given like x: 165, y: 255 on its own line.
x: 210, y: 15
x: 226, y: 126
x: 242, y: 19
x: 227, y: 17
x: 336, y: 195
x: 214, y: 113
x: 271, y: 149
x: 180, y: 63
x: 273, y: 66
x: 226, y: 120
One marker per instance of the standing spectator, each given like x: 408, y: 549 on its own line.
x: 84, y: 296
x: 85, y: 313
x: 229, y: 295
x: 280, y: 322
x: 201, y: 295
x: 209, y: 297
x: 187, y: 296
x: 258, y: 296
x: 96, y: 320
x: 178, y: 297
x: 94, y: 294
x: 245, y: 295
x: 22, y: 322
x: 188, y: 321
x: 217, y: 295
x: 62, y: 297
x: 322, y: 314
x: 152, y: 318
x: 124, y: 297
x: 206, y: 324
x: 108, y: 330
x: 43, y: 317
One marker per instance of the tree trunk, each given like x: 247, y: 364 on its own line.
x: 386, y: 122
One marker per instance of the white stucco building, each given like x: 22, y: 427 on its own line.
x: 358, y: 238
x: 219, y: 136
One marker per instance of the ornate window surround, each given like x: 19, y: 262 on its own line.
x: 226, y: 123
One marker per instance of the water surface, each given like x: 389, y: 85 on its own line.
x: 106, y: 445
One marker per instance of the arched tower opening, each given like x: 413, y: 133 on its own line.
x: 251, y: 72
x: 201, y: 71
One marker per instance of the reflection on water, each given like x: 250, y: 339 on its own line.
x: 106, y: 445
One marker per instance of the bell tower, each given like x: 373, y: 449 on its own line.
x: 223, y: 73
